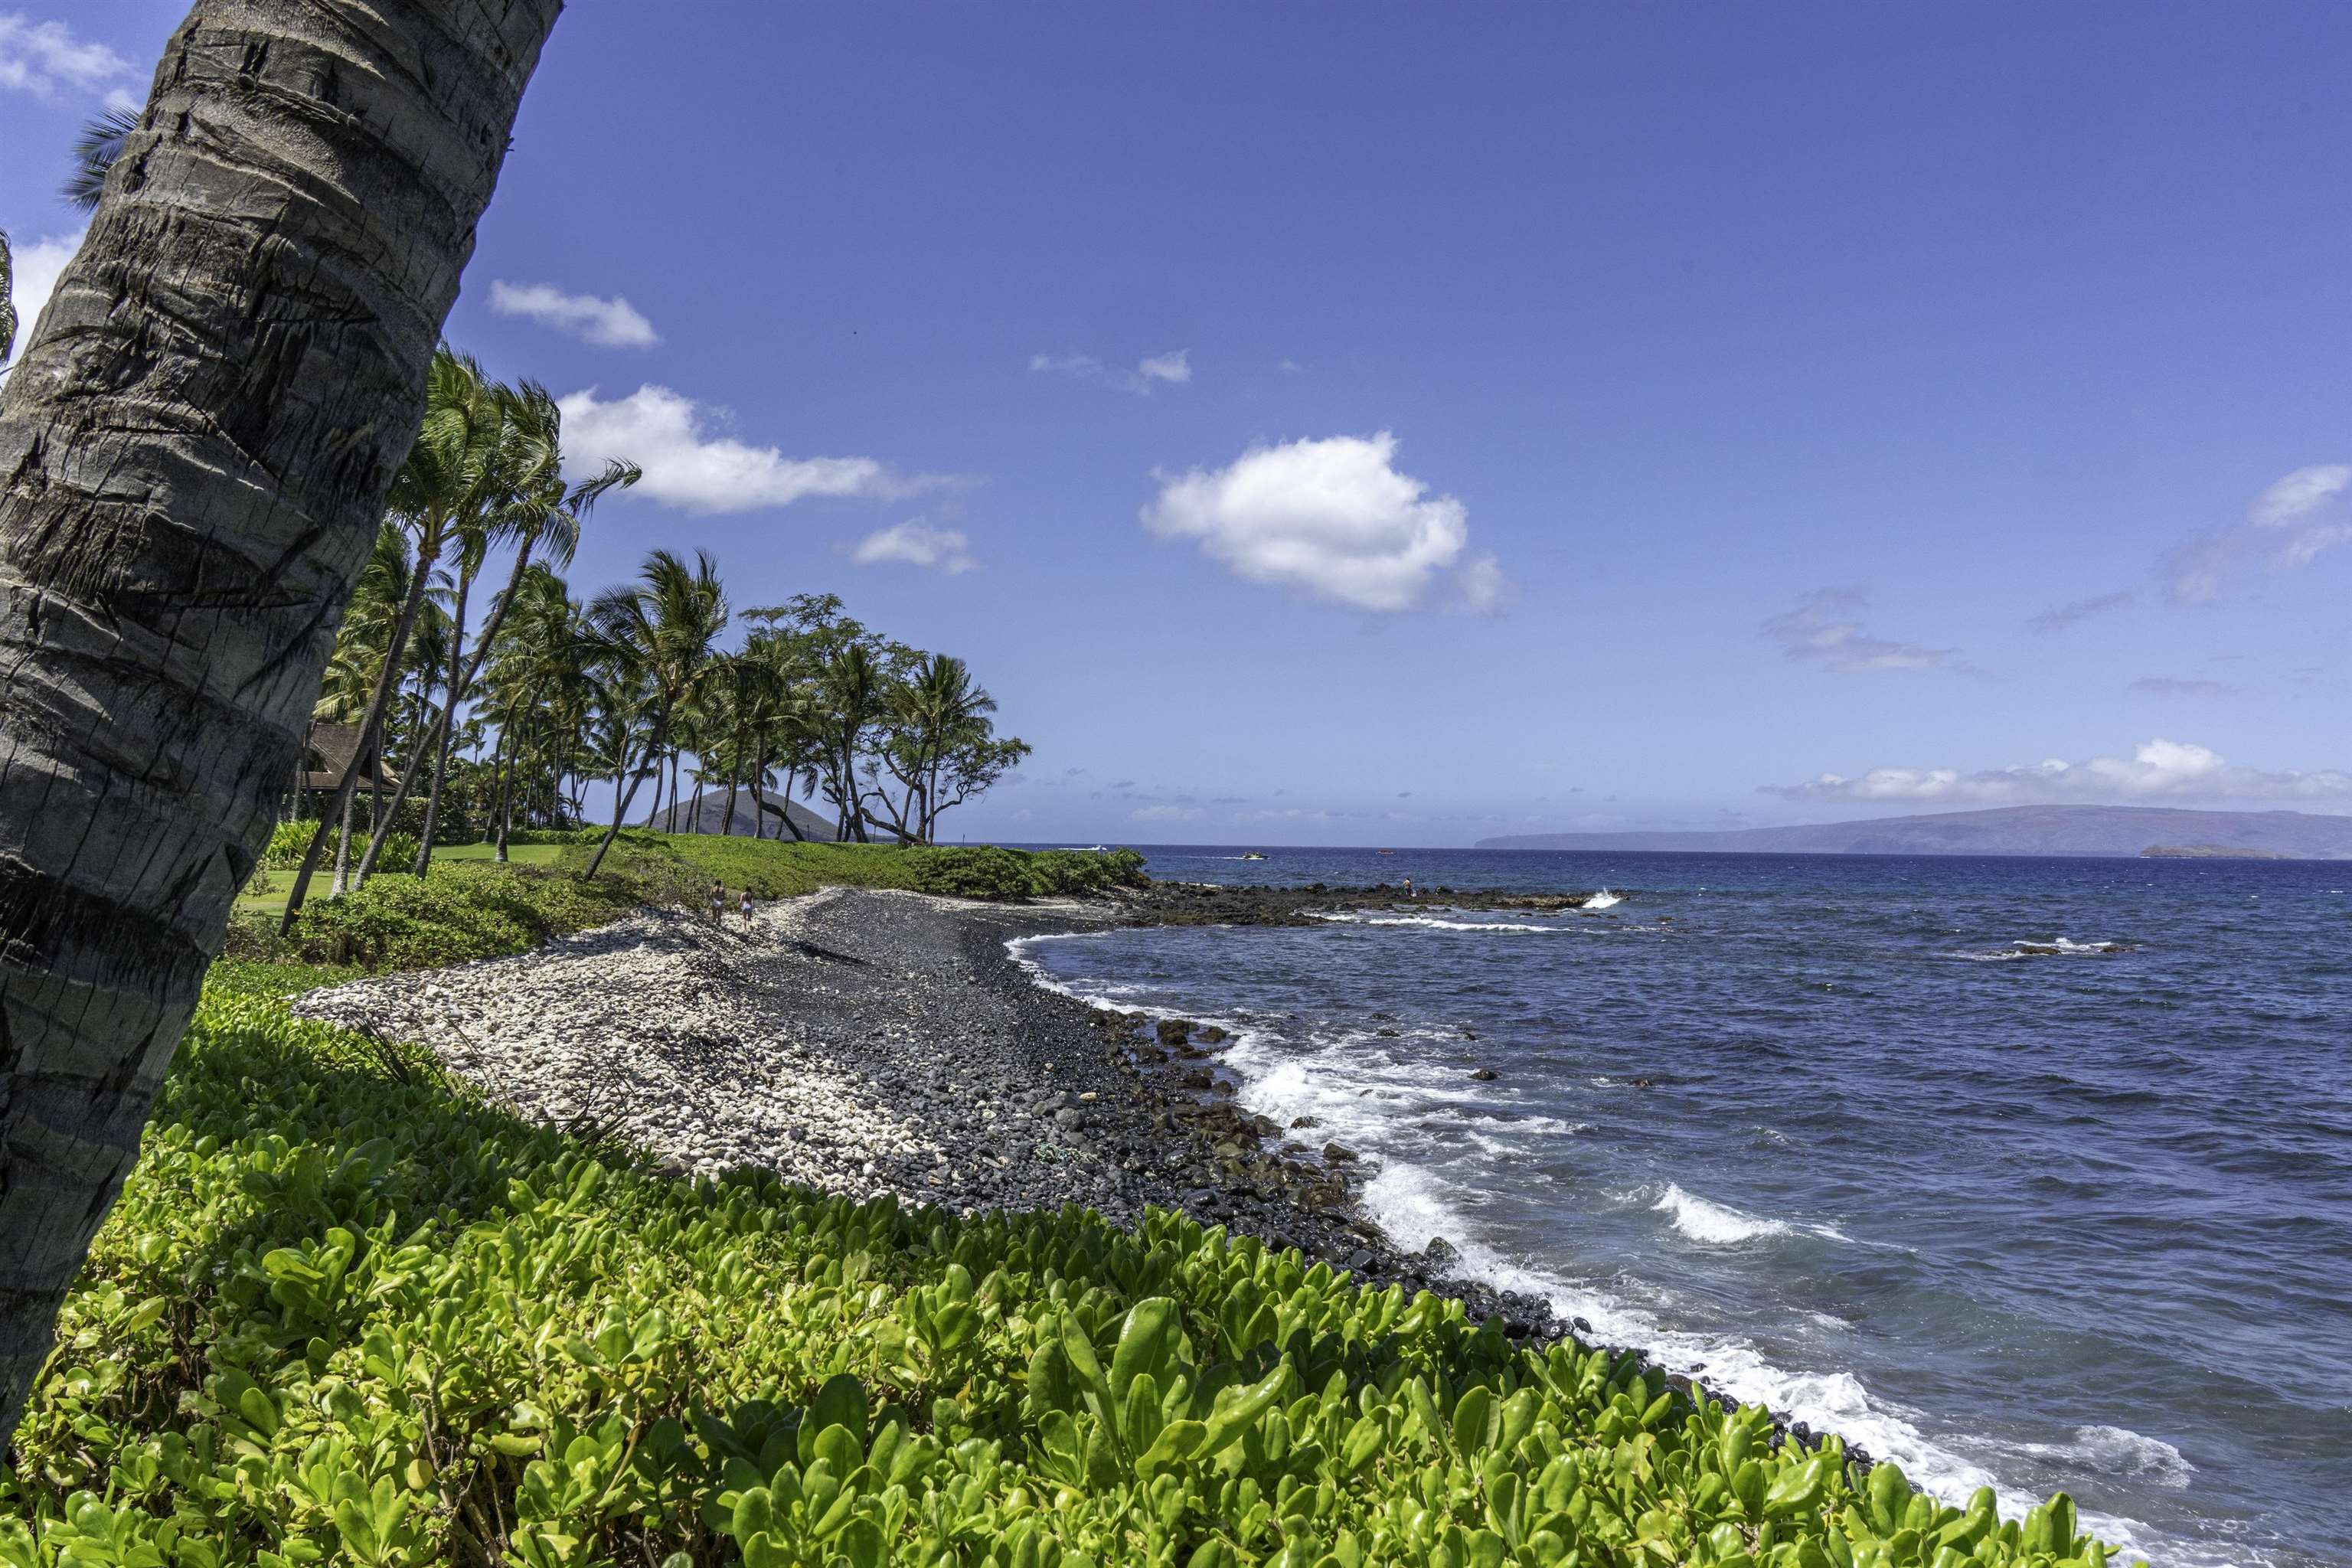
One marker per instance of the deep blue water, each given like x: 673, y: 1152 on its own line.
x: 1901, y: 1146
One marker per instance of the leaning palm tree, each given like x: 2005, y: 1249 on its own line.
x: 659, y: 636
x: 447, y: 472
x: 208, y: 418
x: 530, y: 504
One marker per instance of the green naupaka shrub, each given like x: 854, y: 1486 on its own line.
x: 460, y: 911
x: 990, y: 871
x: 288, y: 843
x: 346, y: 1312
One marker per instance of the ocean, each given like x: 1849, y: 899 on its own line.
x: 2033, y: 1173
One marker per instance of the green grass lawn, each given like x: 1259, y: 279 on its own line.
x: 517, y: 854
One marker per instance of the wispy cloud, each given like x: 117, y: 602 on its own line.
x: 914, y: 543
x: 611, y: 323
x: 690, y: 466
x: 2159, y: 770
x: 1335, y: 519
x: 1171, y: 369
x: 2066, y: 618
x: 43, y: 57
x: 2300, y: 517
x: 1175, y: 369
x: 2175, y: 686
x: 1827, y: 629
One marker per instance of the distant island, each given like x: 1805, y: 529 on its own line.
x: 2119, y: 830
x: 2207, y: 852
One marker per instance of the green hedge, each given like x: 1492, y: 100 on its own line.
x: 287, y: 841
x: 457, y: 911
x: 988, y: 872
x: 345, y: 1313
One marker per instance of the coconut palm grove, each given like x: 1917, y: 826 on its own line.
x: 464, y: 738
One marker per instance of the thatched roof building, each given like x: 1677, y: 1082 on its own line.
x: 327, y: 756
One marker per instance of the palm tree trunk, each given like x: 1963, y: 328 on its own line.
x: 198, y: 446
x: 501, y: 791
x: 621, y: 801
x: 445, y: 734
x: 380, y: 701
x: 727, y: 828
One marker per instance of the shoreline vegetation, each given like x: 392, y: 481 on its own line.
x: 557, y: 1224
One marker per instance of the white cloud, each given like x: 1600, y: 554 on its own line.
x: 689, y: 466
x: 1826, y: 628
x: 2067, y: 616
x: 1166, y: 813
x: 2176, y: 686
x: 914, y: 543
x: 1176, y: 367
x: 2298, y: 518
x: 2300, y: 494
x: 1481, y: 588
x: 1290, y: 366
x: 611, y: 323
x: 1333, y: 517
x: 2159, y: 770
x: 1168, y: 369
x: 39, y: 57
x: 36, y: 269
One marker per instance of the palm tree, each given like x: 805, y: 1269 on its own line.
x: 281, y: 296
x: 94, y: 152
x: 537, y: 686
x: 359, y: 651
x: 7, y: 301
x: 535, y: 509
x: 849, y: 691
x: 659, y: 637
x: 438, y: 484
x: 933, y: 713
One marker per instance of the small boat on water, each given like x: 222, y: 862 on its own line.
x: 1388, y: 851
x: 1253, y: 855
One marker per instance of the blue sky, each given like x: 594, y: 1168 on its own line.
x: 1403, y: 424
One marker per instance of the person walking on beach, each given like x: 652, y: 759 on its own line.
x: 746, y: 906
x: 718, y: 901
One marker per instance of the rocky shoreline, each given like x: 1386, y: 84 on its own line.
x: 871, y: 1042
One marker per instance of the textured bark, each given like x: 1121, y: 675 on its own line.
x: 195, y: 452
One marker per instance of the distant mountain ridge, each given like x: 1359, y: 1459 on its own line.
x: 2001, y: 830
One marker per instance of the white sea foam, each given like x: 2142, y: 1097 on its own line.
x: 2060, y: 947
x: 1414, y: 1205
x: 1603, y: 899
x: 1432, y: 922
x: 2120, y: 1451
x: 1712, y: 1223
